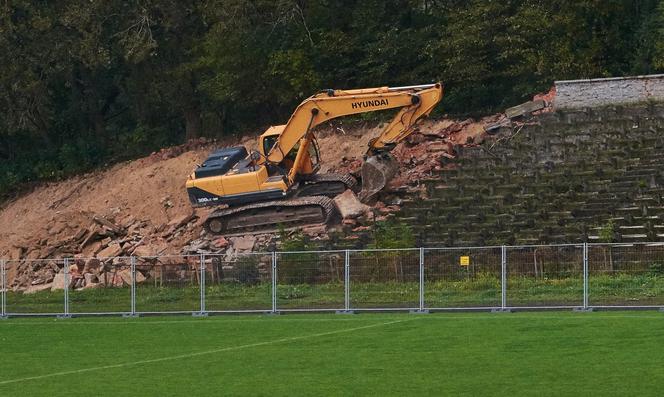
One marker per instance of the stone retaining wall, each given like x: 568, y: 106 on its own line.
x: 574, y: 94
x: 568, y: 176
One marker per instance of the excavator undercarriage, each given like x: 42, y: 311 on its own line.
x: 310, y: 204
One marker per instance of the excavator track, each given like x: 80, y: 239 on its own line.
x: 329, y: 185
x: 270, y: 216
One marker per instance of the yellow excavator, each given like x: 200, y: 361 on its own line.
x: 278, y: 184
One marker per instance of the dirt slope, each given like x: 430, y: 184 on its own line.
x: 145, y: 199
x: 149, y: 189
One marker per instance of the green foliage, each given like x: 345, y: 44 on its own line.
x: 87, y: 83
x: 392, y: 234
x: 657, y: 269
x: 247, y: 273
x: 607, y: 232
x: 297, y: 266
x: 293, y: 241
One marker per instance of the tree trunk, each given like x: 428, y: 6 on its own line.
x: 45, y: 137
x: 192, y: 117
x: 99, y: 125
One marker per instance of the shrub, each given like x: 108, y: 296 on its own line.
x: 298, y: 267
x: 247, y: 273
x: 392, y: 234
x: 656, y: 269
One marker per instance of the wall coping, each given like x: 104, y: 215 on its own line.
x: 640, y: 77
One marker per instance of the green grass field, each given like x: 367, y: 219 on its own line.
x: 544, y: 354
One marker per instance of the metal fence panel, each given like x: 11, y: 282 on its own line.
x: 618, y: 275
x: 3, y: 289
x: 539, y: 276
x: 310, y: 280
x: 462, y: 277
x: 626, y: 274
x: 384, y: 279
x: 238, y: 282
x: 167, y: 284
x: 100, y: 285
x: 35, y: 287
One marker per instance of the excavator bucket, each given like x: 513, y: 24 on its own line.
x: 376, y: 172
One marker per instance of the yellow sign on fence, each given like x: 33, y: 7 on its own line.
x: 464, y: 261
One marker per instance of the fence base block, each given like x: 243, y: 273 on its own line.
x: 4, y: 317
x: 345, y: 312
x: 199, y: 314
x: 501, y: 310
x: 583, y: 309
x: 277, y: 313
x: 63, y: 316
x: 131, y: 315
x: 418, y: 311
x: 661, y: 309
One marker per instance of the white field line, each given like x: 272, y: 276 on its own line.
x: 204, y: 320
x: 203, y: 353
x: 357, y: 317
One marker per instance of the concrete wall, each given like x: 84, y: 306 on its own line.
x: 571, y: 94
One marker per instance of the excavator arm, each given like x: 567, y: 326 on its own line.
x: 402, y: 124
x: 416, y: 101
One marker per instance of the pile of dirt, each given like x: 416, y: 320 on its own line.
x: 148, y: 192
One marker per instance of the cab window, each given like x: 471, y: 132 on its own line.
x: 268, y: 143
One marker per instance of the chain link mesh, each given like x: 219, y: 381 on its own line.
x: 462, y: 278
x: 626, y: 274
x: 384, y: 279
x: 35, y: 286
x: 545, y: 276
x: 100, y: 285
x: 310, y: 280
x: 238, y: 282
x: 167, y: 284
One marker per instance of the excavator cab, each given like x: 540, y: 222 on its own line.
x: 311, y: 162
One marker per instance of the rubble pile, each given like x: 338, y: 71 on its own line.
x: 99, y: 256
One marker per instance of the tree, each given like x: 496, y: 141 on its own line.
x: 85, y: 82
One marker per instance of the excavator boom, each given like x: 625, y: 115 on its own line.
x: 378, y: 168
x: 416, y: 101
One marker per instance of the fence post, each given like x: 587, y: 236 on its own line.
x: 503, y: 281
x: 585, y: 276
x: 421, y: 309
x: 65, y: 269
x: 3, y: 290
x: 201, y: 284
x: 585, y: 307
x: 503, y: 278
x: 346, y: 309
x: 274, y: 283
x: 132, y: 288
